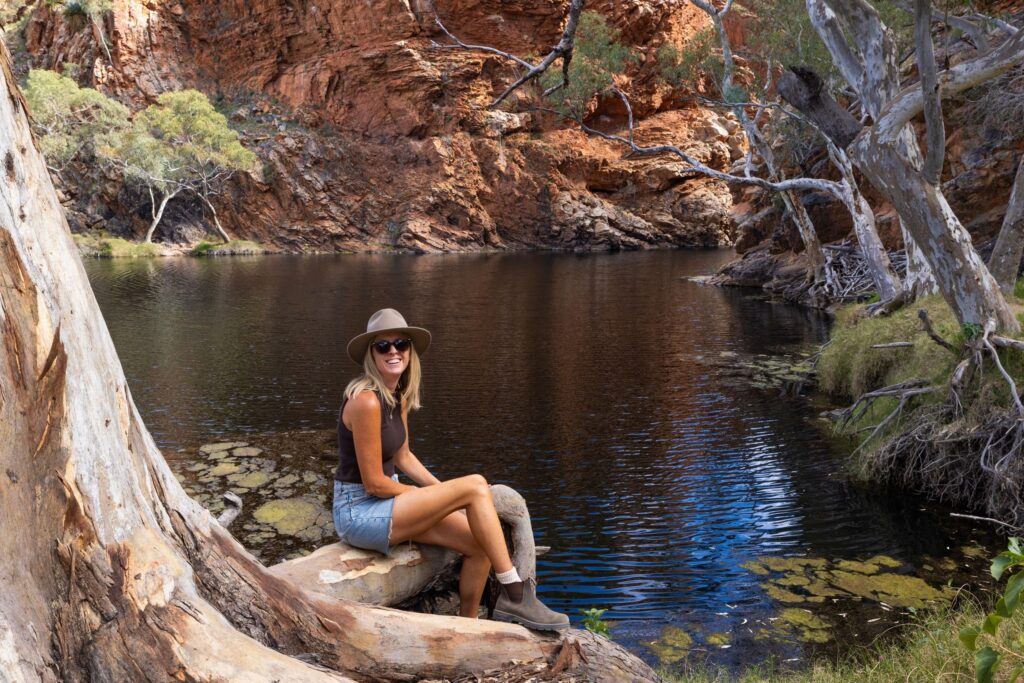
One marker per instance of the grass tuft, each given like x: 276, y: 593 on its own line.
x: 102, y: 245
x: 849, y: 366
x: 232, y: 248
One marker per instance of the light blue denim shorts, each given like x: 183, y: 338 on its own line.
x: 362, y: 520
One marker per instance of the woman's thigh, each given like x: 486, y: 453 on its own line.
x: 451, y: 532
x: 421, y: 509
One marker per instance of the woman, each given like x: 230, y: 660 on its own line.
x: 373, y: 510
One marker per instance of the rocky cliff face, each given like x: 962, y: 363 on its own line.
x: 374, y: 137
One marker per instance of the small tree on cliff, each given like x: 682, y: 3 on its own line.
x: 180, y: 144
x: 69, y: 120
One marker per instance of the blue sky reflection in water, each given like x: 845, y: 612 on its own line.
x: 592, y: 384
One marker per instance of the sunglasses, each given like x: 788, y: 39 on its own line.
x: 384, y: 345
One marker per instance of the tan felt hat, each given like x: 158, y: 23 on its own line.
x: 387, y: 320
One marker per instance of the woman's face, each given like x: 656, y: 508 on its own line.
x: 391, y: 363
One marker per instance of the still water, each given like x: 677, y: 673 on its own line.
x: 592, y: 384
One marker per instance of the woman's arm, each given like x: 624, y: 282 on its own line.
x: 407, y: 461
x: 364, y: 414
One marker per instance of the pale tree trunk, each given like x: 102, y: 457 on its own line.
x: 113, y: 573
x: 216, y: 221
x: 888, y: 155
x: 1009, y: 249
x: 887, y: 282
x: 157, y: 211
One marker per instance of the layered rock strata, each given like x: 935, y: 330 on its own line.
x: 374, y: 137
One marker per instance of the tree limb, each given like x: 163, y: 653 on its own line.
x: 909, y: 102
x: 932, y: 101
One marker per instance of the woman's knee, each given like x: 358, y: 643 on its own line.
x: 477, y: 485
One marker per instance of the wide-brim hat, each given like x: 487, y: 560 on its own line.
x: 387, y: 320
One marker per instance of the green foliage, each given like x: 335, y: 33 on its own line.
x: 181, y: 142
x: 971, y: 330
x: 1018, y: 288
x: 69, y: 119
x: 782, y: 33
x: 995, y: 650
x: 593, y: 622
x: 700, y: 57
x: 598, y: 57
x: 102, y: 245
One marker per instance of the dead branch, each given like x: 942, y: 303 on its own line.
x: 987, y: 343
x: 563, y: 51
x: 231, y: 511
x: 893, y: 345
x: 912, y: 387
x: 983, y: 519
x: 926, y: 325
x: 1006, y: 342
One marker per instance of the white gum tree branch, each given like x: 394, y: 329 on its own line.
x: 930, y: 95
x: 791, y: 200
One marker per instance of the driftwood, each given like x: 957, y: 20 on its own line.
x: 112, y: 572
x: 341, y: 571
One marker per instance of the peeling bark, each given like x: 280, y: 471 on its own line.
x: 1009, y: 249
x: 118, y: 574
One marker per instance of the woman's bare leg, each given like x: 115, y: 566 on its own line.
x: 453, y: 532
x: 418, y: 511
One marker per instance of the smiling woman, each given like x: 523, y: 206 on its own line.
x: 373, y: 510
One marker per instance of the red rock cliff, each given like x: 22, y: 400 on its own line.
x: 372, y: 137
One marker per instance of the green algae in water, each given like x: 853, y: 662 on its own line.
x: 286, y: 480
x: 782, y: 595
x: 250, y: 480
x: 794, y: 580
x: 223, y: 469
x: 290, y: 516
x: 885, y: 561
x: 225, y: 446
x: 793, y: 564
x: 858, y: 567
x: 673, y: 646
x: 718, y: 639
x: 755, y: 567
x: 898, y: 590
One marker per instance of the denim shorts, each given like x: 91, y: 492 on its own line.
x: 362, y: 520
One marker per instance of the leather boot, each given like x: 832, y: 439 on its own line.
x: 530, y: 611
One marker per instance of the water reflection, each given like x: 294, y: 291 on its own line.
x: 584, y: 382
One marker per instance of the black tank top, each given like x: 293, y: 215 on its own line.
x: 392, y: 436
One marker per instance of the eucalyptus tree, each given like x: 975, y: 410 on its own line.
x: 863, y: 50
x: 179, y: 144
x: 586, y: 72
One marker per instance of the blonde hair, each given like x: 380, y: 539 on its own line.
x: 370, y: 380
